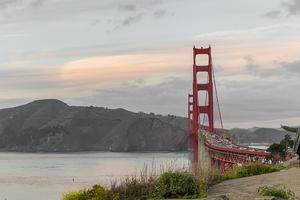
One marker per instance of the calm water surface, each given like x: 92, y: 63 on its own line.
x: 36, y: 176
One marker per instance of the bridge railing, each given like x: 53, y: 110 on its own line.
x: 239, y: 151
x: 234, y: 148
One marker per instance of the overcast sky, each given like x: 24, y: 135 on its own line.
x: 137, y: 54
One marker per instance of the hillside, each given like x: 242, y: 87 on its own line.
x: 258, y: 135
x: 52, y: 125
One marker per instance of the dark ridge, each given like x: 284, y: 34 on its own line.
x: 51, y: 125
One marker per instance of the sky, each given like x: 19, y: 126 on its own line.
x: 137, y: 54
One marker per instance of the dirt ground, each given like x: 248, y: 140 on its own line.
x: 248, y: 185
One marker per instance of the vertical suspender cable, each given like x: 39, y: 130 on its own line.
x: 213, y: 72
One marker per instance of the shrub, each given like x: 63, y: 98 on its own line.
x: 217, y: 177
x: 202, y: 187
x: 97, y: 192
x: 247, y: 170
x: 280, y: 193
x: 180, y: 184
x: 257, y: 169
x: 134, y: 187
x: 79, y: 195
x: 241, y: 172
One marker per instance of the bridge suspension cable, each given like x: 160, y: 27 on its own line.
x: 216, y: 92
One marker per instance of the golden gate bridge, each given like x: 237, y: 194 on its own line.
x: 208, y: 143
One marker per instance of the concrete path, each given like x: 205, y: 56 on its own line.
x: 248, y: 185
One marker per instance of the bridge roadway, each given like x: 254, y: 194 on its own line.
x: 224, y: 154
x: 219, y: 141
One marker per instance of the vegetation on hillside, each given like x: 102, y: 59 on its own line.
x: 279, y: 193
x: 168, y: 185
x: 181, y: 184
x: 240, y: 172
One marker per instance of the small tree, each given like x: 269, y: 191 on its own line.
x: 287, y: 143
x: 281, y: 149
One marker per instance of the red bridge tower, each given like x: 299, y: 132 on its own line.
x: 223, y: 156
x: 196, y: 111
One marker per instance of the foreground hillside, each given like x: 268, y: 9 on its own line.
x: 51, y: 125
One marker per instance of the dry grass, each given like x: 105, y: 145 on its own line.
x: 144, y: 183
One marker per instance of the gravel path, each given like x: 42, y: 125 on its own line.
x: 248, y: 186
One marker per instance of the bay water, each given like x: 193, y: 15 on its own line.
x: 46, y: 176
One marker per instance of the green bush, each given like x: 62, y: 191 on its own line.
x: 249, y: 170
x: 257, y: 169
x: 280, y: 193
x: 241, y: 172
x: 79, y: 195
x: 97, y: 192
x: 180, y: 184
x: 217, y: 177
x: 202, y: 187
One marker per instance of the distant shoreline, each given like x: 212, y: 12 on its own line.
x: 70, y: 152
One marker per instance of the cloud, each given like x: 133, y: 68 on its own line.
x: 127, y: 7
x: 170, y: 93
x: 292, y: 7
x: 292, y: 67
x: 281, y: 69
x: 273, y: 14
x: 132, y: 19
x: 259, y: 99
x: 251, y: 66
x: 160, y: 13
x: 38, y: 3
x: 32, y: 3
x: 235, y: 33
x: 6, y: 3
x: 138, y: 11
x: 114, y: 70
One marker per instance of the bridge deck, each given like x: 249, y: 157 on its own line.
x: 216, y: 142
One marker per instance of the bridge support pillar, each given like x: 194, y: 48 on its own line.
x: 203, y: 154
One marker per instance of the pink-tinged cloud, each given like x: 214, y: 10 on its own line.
x: 231, y: 47
x: 114, y: 70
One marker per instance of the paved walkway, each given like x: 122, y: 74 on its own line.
x: 248, y: 185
